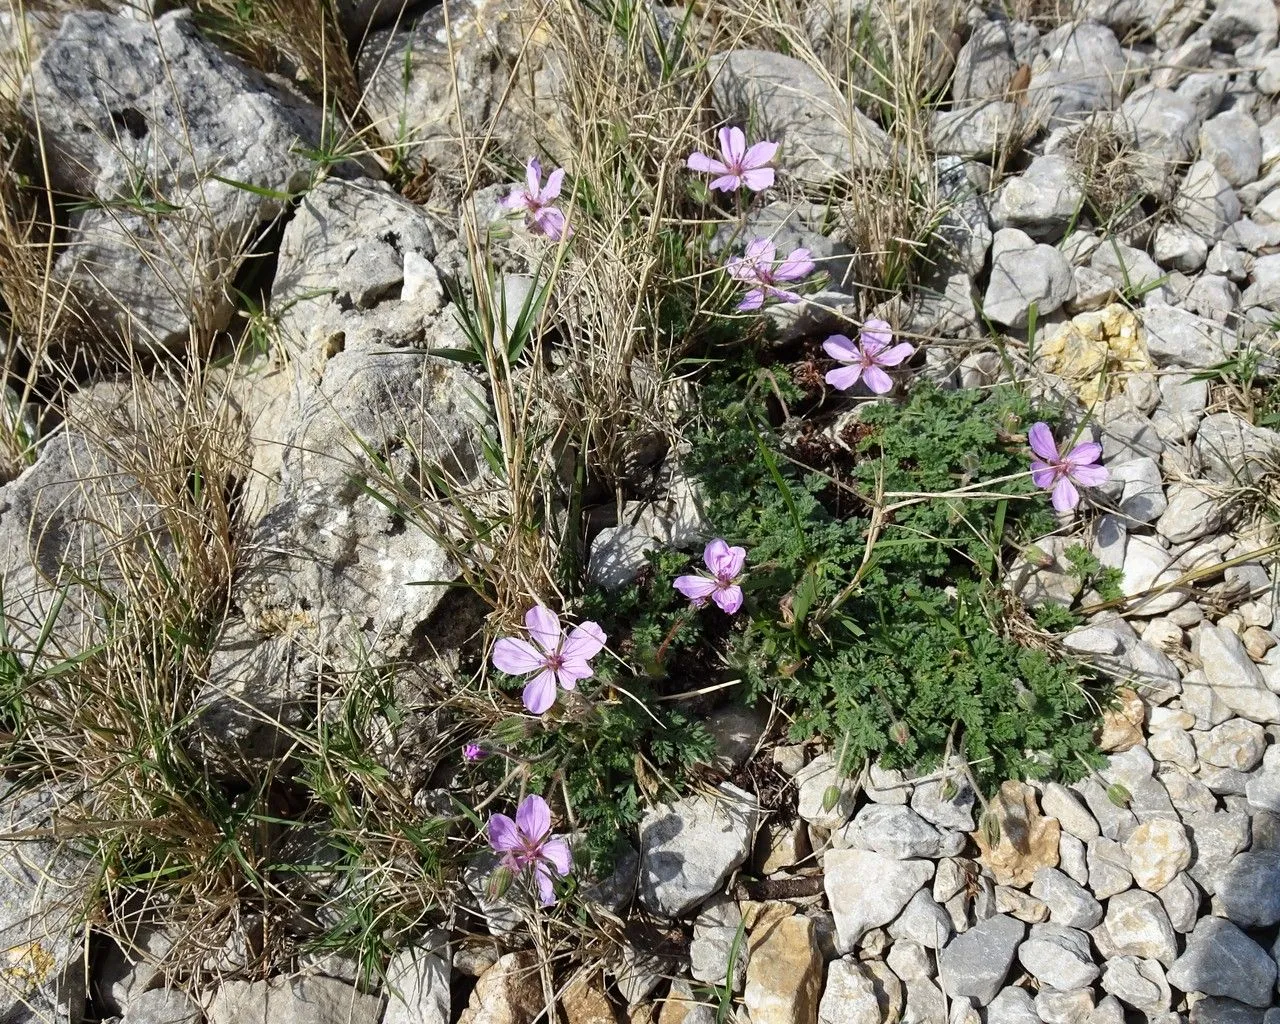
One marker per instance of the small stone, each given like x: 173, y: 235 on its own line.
x: 1028, y: 840
x: 1059, y: 802
x: 1012, y: 1006
x: 866, y: 890
x: 1020, y: 905
x: 1235, y: 679
x: 887, y: 785
x: 1257, y: 642
x: 1157, y: 851
x: 814, y: 782
x: 784, y: 974
x: 1058, y: 957
x: 1189, y: 514
x: 1216, y: 837
x: 716, y: 931
x: 1181, y: 901
x: 1023, y: 274
x: 317, y: 999
x: 736, y: 732
x: 856, y: 995
x: 1249, y: 889
x: 1115, y: 821
x: 1220, y: 960
x: 923, y: 922
x: 1073, y: 858
x: 1108, y: 868
x: 1173, y: 746
x: 1069, y: 903
x: 1042, y: 200
x: 1122, y: 723
x: 1236, y: 743
x: 1137, y: 983
x: 1072, y: 1007
x: 1205, y: 202
x: 954, y: 810
x: 1234, y: 451
x: 1263, y: 790
x: 1138, y: 925
x: 1147, y: 568
x: 975, y: 963
x: 1233, y: 144
x: 163, y: 1006
x: 953, y: 874
x: 898, y: 832
x: 418, y: 979
x: 910, y: 961
x: 1181, y: 339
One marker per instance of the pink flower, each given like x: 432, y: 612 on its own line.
x: 472, y: 752
x: 554, y: 657
x: 1061, y: 473
x: 867, y: 358
x: 757, y: 267
x: 721, y: 586
x: 737, y: 165
x: 535, y: 200
x: 526, y: 843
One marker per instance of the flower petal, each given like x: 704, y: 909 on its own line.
x: 517, y: 200
x: 782, y: 294
x: 733, y: 145
x: 549, y: 222
x: 894, y: 356
x: 533, y: 175
x: 503, y: 834
x: 1084, y: 453
x: 842, y: 378
x: 1040, y: 437
x: 544, y: 626
x: 1089, y: 476
x: 695, y: 588
x: 1042, y: 474
x: 731, y: 565
x: 726, y: 183
x: 758, y: 178
x: 759, y: 155
x: 517, y: 657
x: 533, y: 817
x: 1065, y: 495
x: 715, y: 554
x: 729, y: 599
x: 754, y: 299
x: 877, y: 380
x: 554, y: 181
x: 558, y: 854
x: 761, y: 250
x: 706, y: 164
x: 876, y: 332
x: 540, y: 692
x: 839, y: 347
x: 542, y: 879
x: 741, y: 269
x: 570, y: 671
x: 794, y: 267
x: 584, y: 642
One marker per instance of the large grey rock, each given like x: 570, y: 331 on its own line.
x: 1249, y: 888
x: 1236, y: 743
x: 307, y: 1000
x: 978, y: 131
x: 822, y: 136
x: 898, y: 832
x: 1058, y: 956
x: 1178, y: 338
x: 1232, y: 142
x: 1137, y: 925
x: 120, y: 99
x: 1070, y: 904
x: 975, y: 963
x: 1042, y: 200
x: 984, y: 64
x: 418, y: 983
x: 1159, y: 127
x: 1025, y: 273
x: 1232, y: 674
x: 964, y: 231
x: 1220, y: 960
x: 857, y: 993
x: 1245, y: 28
x: 1263, y: 790
x: 1265, y: 289
x: 1205, y: 202
x: 688, y: 848
x: 1137, y: 983
x: 866, y: 890
x: 163, y: 1006
x: 1234, y: 451
x: 1216, y: 837
x: 1084, y: 72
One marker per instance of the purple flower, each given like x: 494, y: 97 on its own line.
x: 1061, y: 473
x: 554, y: 657
x: 757, y: 267
x: 526, y: 843
x: 867, y: 358
x: 737, y: 165
x: 721, y: 586
x: 535, y: 200
x: 472, y: 752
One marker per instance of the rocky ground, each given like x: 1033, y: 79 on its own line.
x: 1109, y: 236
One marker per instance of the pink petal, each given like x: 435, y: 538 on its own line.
x: 554, y: 181
x: 842, y: 378
x: 761, y: 250
x: 706, y: 164
x: 549, y: 222
x: 1065, y: 496
x: 726, y: 562
x: 584, y: 642
x: 1042, y: 475
x: 729, y: 599
x: 758, y: 178
x: 517, y: 200
x: 570, y: 671
x: 1040, y: 437
x: 517, y: 657
x: 558, y: 853
x: 544, y: 626
x: 877, y: 380
x: 795, y: 266
x: 876, y: 332
x: 741, y: 269
x: 533, y: 175
x: 894, y: 356
x: 716, y: 552
x: 1084, y: 453
x: 839, y: 347
x: 540, y: 692
x: 733, y: 145
x: 782, y: 294
x: 695, y: 588
x: 754, y: 299
x: 503, y: 835
x: 759, y: 155
x: 542, y: 878
x: 533, y: 817
x: 726, y: 183
x: 1089, y: 476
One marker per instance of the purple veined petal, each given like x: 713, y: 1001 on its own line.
x: 542, y: 879
x: 758, y: 155
x: 584, y: 642
x: 517, y: 657
x: 503, y: 834
x: 1090, y: 475
x: 1083, y: 454
x: 1065, y: 496
x: 695, y: 588
x: 554, y: 181
x: 794, y: 267
x: 705, y: 164
x: 571, y: 671
x: 729, y: 600
x: 540, y: 692
x: 517, y: 200
x: 533, y: 175
x: 758, y: 178
x: 754, y: 299
x: 842, y: 378
x: 726, y: 183
x: 1040, y: 437
x: 557, y: 853
x: 895, y: 355
x: 1042, y: 474
x: 782, y: 294
x: 839, y: 347
x: 548, y: 222
x: 740, y: 269
x: 877, y: 380
x: 731, y: 565
x: 544, y: 627
x: 733, y: 145
x: 761, y: 251
x: 715, y: 554
x: 533, y: 817
x: 876, y: 334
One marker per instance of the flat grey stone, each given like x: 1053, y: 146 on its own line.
x: 1024, y: 273
x: 1137, y: 925
x: 975, y: 963
x: 1058, y: 957
x: 1137, y: 983
x: 898, y: 832
x: 1249, y: 888
x: 1232, y: 674
x: 1069, y: 903
x: 866, y: 890
x: 1220, y: 960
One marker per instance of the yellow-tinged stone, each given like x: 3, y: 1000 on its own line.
x: 1028, y: 840
x: 1095, y: 351
x: 784, y: 974
x: 26, y: 966
x: 1122, y: 725
x: 586, y: 1002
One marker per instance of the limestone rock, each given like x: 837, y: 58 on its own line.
x: 1028, y: 840
x: 312, y: 1000
x: 866, y: 890
x: 784, y: 975
x: 975, y: 963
